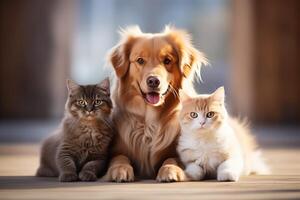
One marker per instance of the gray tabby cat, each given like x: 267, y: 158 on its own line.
x: 78, y: 149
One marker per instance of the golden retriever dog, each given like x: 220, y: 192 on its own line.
x: 150, y: 71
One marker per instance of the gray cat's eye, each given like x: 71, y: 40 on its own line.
x: 193, y: 115
x: 81, y: 102
x: 98, y: 102
x: 210, y: 114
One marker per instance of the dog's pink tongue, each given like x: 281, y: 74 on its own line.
x: 152, y: 97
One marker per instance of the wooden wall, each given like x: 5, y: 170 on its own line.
x: 35, y: 38
x: 35, y: 41
x: 266, y: 52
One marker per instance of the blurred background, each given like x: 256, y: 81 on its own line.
x: 253, y: 47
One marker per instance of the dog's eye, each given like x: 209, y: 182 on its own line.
x: 193, y: 115
x: 141, y: 61
x: 167, y: 61
x: 210, y: 114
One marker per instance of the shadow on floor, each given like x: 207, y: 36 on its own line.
x: 150, y: 187
x: 33, y: 182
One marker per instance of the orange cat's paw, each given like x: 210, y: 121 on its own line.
x: 194, y: 172
x: 87, y: 176
x: 227, y: 176
x: 121, y: 173
x: 170, y: 173
x: 68, y: 177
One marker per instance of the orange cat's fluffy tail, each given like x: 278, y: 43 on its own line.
x: 258, y: 165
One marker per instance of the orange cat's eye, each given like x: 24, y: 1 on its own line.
x: 193, y: 115
x: 210, y: 114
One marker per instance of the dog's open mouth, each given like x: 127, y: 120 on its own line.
x: 153, y: 97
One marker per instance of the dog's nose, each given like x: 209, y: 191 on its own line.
x: 153, y: 82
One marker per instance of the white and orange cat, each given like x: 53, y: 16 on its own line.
x: 214, y: 145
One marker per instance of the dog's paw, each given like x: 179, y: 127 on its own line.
x: 170, y: 173
x: 121, y: 173
x: 87, y: 176
x: 68, y: 177
x: 227, y: 176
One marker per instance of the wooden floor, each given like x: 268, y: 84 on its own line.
x: 18, y: 164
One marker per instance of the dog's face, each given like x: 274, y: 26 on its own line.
x: 153, y: 66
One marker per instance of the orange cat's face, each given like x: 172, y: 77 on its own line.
x: 204, y: 113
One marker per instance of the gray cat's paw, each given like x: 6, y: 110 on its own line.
x: 87, y: 176
x: 68, y: 177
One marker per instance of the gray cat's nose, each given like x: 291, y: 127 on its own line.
x: 89, y: 108
x: 90, y: 113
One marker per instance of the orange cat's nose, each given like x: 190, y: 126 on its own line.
x: 202, y: 124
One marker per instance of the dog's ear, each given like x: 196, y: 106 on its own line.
x: 190, y: 59
x: 119, y: 55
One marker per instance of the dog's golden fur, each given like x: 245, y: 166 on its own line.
x: 145, y: 145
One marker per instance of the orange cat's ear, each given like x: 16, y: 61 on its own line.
x: 184, y: 96
x: 71, y: 85
x: 219, y: 94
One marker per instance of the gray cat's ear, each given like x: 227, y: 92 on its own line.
x: 219, y: 94
x: 71, y: 85
x: 105, y: 85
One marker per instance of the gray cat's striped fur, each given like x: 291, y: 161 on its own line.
x: 78, y: 149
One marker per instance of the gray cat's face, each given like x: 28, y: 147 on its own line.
x: 90, y: 101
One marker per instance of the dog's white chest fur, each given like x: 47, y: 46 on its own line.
x: 147, y: 137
